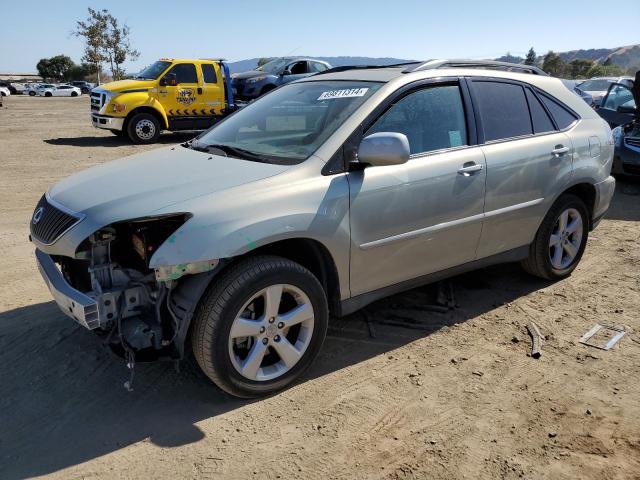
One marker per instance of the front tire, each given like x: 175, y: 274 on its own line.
x: 74, y: 94
x: 560, y: 240
x: 143, y: 128
x: 260, y: 326
x: 48, y: 94
x: 32, y: 94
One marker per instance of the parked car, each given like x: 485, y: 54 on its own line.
x: 50, y: 90
x: 626, y: 159
x: 85, y: 87
x: 31, y: 89
x: 597, y: 87
x: 252, y: 84
x: 8, y: 86
x: 573, y: 86
x: 618, y: 106
x: 321, y: 197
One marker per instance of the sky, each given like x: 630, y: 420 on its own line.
x: 241, y: 29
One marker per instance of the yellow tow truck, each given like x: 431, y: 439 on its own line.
x: 171, y: 94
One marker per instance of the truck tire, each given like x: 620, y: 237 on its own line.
x: 143, y: 128
x: 259, y: 326
x: 560, y: 241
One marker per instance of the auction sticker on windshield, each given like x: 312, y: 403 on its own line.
x: 346, y: 93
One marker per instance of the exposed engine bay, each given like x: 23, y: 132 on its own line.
x: 142, y: 313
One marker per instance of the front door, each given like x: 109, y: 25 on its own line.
x: 182, y: 94
x: 425, y: 215
x: 618, y: 106
x: 295, y: 71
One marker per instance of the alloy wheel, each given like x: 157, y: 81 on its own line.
x: 566, y: 239
x: 271, y: 332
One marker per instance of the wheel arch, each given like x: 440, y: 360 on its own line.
x: 587, y: 193
x: 309, y: 253
x: 160, y: 116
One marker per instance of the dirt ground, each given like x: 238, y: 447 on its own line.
x: 455, y: 397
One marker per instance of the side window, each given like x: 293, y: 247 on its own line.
x: 503, y: 110
x: 618, y: 96
x: 317, y: 67
x: 431, y: 118
x: 541, y: 121
x: 185, y: 73
x: 298, y: 68
x: 560, y: 114
x: 209, y: 73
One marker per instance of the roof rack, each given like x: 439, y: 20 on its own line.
x: 344, y: 68
x: 481, y: 64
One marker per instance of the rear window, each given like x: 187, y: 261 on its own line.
x: 503, y: 110
x: 209, y: 73
x: 541, y: 121
x: 561, y: 115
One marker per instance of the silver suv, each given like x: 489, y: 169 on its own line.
x: 320, y: 198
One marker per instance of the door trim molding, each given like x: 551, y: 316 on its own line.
x: 446, y: 225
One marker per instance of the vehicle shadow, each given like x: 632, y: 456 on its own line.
x: 115, y: 141
x: 62, y: 400
x: 626, y: 201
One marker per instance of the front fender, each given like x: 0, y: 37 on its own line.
x: 135, y: 100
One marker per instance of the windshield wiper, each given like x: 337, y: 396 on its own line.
x: 229, y: 150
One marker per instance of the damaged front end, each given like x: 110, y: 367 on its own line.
x: 143, y: 313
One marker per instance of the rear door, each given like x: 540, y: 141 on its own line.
x: 425, y: 215
x: 212, y: 98
x: 618, y: 105
x: 529, y: 159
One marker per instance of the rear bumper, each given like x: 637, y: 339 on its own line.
x: 604, y: 194
x: 80, y: 307
x: 107, y: 122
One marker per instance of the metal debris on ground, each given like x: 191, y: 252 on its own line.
x: 606, y: 336
x: 536, y: 339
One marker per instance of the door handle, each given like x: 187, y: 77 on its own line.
x: 199, y: 90
x: 469, y: 169
x: 560, y: 150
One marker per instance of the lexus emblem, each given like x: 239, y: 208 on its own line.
x: 37, y: 215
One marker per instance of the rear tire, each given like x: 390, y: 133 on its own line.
x: 32, y: 94
x: 74, y: 94
x: 560, y: 240
x: 48, y: 94
x: 143, y: 128
x: 278, y: 311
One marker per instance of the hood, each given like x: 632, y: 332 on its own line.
x: 251, y: 74
x: 122, y: 85
x: 138, y: 186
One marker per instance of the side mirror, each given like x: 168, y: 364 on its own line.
x: 626, y: 109
x: 285, y: 72
x: 384, y: 148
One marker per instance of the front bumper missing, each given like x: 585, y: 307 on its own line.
x: 106, y: 122
x: 82, y: 308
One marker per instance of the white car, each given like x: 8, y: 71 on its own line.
x: 49, y: 90
x: 4, y: 91
x: 597, y: 87
x: 31, y: 89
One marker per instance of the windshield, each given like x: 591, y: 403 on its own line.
x: 274, y: 66
x: 153, y: 71
x: 289, y: 125
x: 595, y: 85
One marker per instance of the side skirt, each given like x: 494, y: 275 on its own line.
x: 354, y: 304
